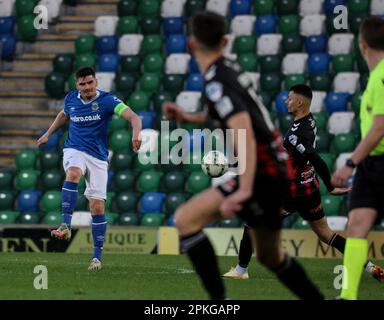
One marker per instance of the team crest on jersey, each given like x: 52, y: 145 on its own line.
x: 293, y: 139
x: 214, y: 91
x: 95, y: 106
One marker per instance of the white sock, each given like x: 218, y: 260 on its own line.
x: 369, y: 266
x: 241, y: 270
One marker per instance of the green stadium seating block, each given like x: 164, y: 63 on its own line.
x: 300, y: 223
x: 173, y: 83
x: 52, y: 218
x: 285, y: 7
x: 49, y: 160
x: 320, y: 82
x: 27, y: 179
x: 323, y: 141
x: 85, y: 60
x: 230, y: 223
x: 54, y: 84
x: 292, y: 79
x: 122, y: 160
x: 51, y: 201
x: 25, y: 7
x: 248, y: 62
x: 329, y: 159
x: 332, y: 205
x: 292, y: 43
x: 128, y: 219
x: 342, y: 63
x: 125, y: 82
x: 197, y: 182
x: 244, y: 44
x: 264, y: 7
x: 26, y: 159
x: 120, y: 140
x: 139, y: 101
x: 174, y: 200
x: 130, y: 64
x: 173, y: 181
x: 343, y: 143
x: 149, y: 8
x: 127, y: 8
x: 152, y: 220
x: 6, y: 179
x: 149, y: 181
x: 270, y: 63
x: 152, y: 44
x: 9, y: 217
x: 289, y: 24
x: 150, y: 25
x: 270, y: 82
x: 52, y: 179
x: 25, y: 28
x: 85, y: 44
x: 193, y: 6
x: 7, y: 198
x: 82, y: 203
x: 159, y: 98
x: 321, y: 119
x: 150, y: 83
x: 124, y: 181
x: 126, y: 202
x: 29, y: 218
x: 127, y: 25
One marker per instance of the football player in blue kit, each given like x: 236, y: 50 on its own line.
x: 89, y: 112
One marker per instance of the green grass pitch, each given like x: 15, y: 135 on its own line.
x: 147, y: 277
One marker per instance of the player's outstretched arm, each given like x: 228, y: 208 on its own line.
x: 60, y: 121
x: 135, y: 121
x: 173, y: 111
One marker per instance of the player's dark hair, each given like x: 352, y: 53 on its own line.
x: 372, y: 31
x: 209, y: 28
x: 303, y: 90
x: 84, y: 72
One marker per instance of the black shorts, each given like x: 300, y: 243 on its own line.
x: 368, y: 185
x: 265, y: 204
x: 309, y: 207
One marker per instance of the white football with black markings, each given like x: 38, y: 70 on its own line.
x: 214, y: 164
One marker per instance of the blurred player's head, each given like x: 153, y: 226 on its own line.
x: 86, y: 82
x: 208, y: 31
x: 299, y: 98
x: 371, y: 40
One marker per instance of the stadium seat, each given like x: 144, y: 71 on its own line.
x: 147, y: 119
x: 105, y: 25
x: 341, y: 122
x: 122, y: 160
x: 285, y: 122
x: 173, y: 83
x: 149, y: 181
x: 321, y: 119
x: 26, y: 179
x: 149, y: 8
x: 149, y: 82
x: 127, y: 8
x: 189, y: 101
x: 85, y: 44
x: 336, y: 102
x: 316, y: 44
x: 120, y: 140
x: 270, y: 82
x: 145, y: 161
x: 152, y: 220
x: 85, y: 60
x: 26, y: 159
x: 51, y: 201
x: 52, y: 180
x: 139, y: 101
x: 318, y: 63
x: 323, y: 141
x: 124, y: 82
x: 54, y: 84
x: 341, y: 159
x: 128, y: 219
x: 310, y: 7
x: 84, y: 219
x: 266, y: 24
x: 343, y: 143
x: 197, y: 182
x: 264, y: 7
x: 329, y: 159
x: 340, y: 43
x: 337, y: 223
x: 151, y: 202
x: 130, y: 64
x: 105, y: 80
x: 230, y: 223
x: 244, y: 44
x: 6, y: 178
x: 152, y: 44
x: 292, y: 43
x: 377, y: 7
x: 342, y: 63
x: 159, y: 98
x: 106, y: 44
x: 29, y: 218
x: 25, y: 27
x: 108, y: 62
x: 193, y: 6
x: 53, y: 8
x: 52, y: 218
x: 177, y: 63
x: 317, y: 103
x: 62, y: 63
x: 294, y: 63
x: 312, y: 25
x: 6, y: 7
x: 268, y: 44
x: 8, y: 43
x: 150, y: 25
x: 176, y: 43
x: 289, y: 25
x: 127, y: 25
x: 172, y: 8
x: 356, y: 102
x: 243, y: 25
x: 358, y: 6
x: 280, y: 102
x: 7, y: 199
x: 7, y: 25
x: 329, y: 6
x: 9, y: 217
x: 331, y: 204
x: 346, y: 82
x: 173, y: 181
x: 24, y: 7
x: 355, y: 20
x: 124, y: 181
x: 153, y: 62
x: 302, y: 224
x: 130, y: 44
x: 320, y: 82
x: 285, y: 7
x: 220, y: 7
x: 82, y: 203
x: 28, y: 201
x: 126, y: 201
x: 195, y: 82
x: 247, y: 62
x: 173, y: 25
x: 292, y: 79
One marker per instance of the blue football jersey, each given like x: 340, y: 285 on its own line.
x: 88, y: 125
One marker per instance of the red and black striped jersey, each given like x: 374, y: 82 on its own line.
x: 228, y: 92
x: 300, y: 142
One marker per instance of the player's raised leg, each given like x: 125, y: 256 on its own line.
x: 190, y: 219
x: 68, y: 202
x: 245, y: 254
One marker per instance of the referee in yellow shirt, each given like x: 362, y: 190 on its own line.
x: 367, y: 198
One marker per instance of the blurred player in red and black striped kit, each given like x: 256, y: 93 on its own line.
x: 256, y: 194
x: 304, y: 187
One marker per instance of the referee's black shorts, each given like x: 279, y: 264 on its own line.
x: 266, y: 202
x: 368, y: 185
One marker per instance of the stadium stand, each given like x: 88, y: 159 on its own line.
x: 139, y: 49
